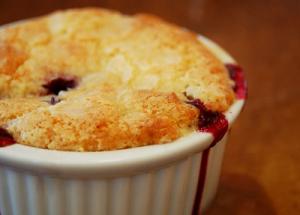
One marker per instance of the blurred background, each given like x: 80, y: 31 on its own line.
x: 261, y: 173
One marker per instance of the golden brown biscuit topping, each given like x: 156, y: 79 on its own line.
x: 122, y: 81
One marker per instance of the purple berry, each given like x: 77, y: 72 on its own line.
x: 237, y: 75
x: 60, y: 84
x: 5, y: 138
x: 210, y: 121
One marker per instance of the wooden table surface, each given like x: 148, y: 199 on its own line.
x: 261, y: 173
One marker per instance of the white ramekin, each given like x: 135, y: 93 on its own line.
x: 156, y: 179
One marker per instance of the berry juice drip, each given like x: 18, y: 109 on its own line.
x: 5, y: 138
x: 237, y: 75
x: 215, y: 123
x: 201, y: 182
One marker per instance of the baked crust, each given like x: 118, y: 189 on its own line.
x: 133, y: 74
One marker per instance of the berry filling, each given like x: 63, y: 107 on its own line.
x: 237, y: 75
x: 210, y: 121
x: 60, y: 84
x: 54, y: 100
x: 5, y: 138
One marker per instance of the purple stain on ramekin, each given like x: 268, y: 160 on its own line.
x: 201, y: 182
x: 5, y: 138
